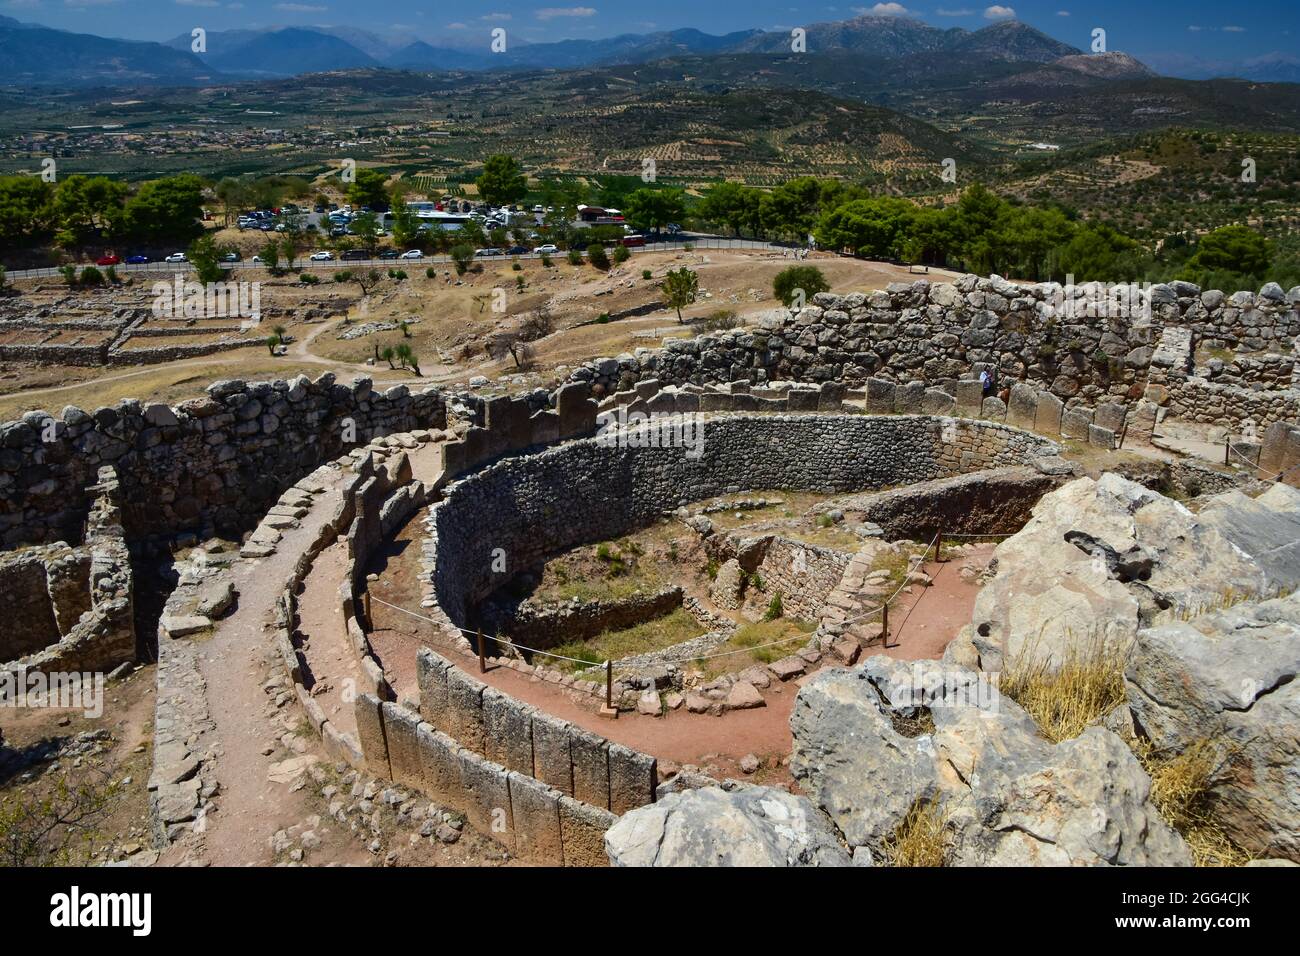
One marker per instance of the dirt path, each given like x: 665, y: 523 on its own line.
x: 330, y: 660
x: 250, y: 807
x: 922, y: 624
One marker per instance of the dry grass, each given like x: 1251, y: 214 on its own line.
x: 1180, y: 789
x: 920, y: 839
x: 1064, y: 700
x: 639, y: 639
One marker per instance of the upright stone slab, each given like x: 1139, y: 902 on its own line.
x: 1075, y: 422
x: 552, y: 762
x: 590, y: 767
x: 970, y: 397
x: 370, y: 734
x: 440, y: 762
x: 431, y: 676
x: 508, y: 730
x: 938, y: 402
x: 631, y: 779
x: 832, y: 397
x: 465, y: 709
x: 908, y: 397
x: 1110, y: 416
x: 1141, y: 424
x: 717, y: 402
x: 582, y: 828
x: 1273, y: 452
x: 1101, y: 437
x: 545, y: 428
x: 536, y: 814
x: 576, y: 410
x: 404, y: 763
x: 1047, y: 416
x: 880, y: 396
x: 1022, y: 409
x: 994, y: 409
x: 487, y: 797
x: 803, y: 400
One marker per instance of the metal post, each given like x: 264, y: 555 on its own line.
x: 609, y: 685
x: 938, y: 547
x: 365, y: 600
x: 884, y: 624
x: 1227, y: 445
x: 482, y: 660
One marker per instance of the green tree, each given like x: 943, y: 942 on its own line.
x: 679, y: 289
x: 26, y: 210
x: 206, y: 259
x: 728, y: 204
x: 165, y: 210
x: 597, y: 257
x: 654, y: 208
x: 799, y: 283
x: 502, y: 181
x: 270, y: 256
x: 87, y: 207
x: 1238, y: 249
x: 1097, y: 253
x: 872, y: 227
x: 406, y: 226
x: 462, y: 255
x: 368, y: 189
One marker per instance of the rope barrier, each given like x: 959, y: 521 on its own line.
x: 1232, y: 448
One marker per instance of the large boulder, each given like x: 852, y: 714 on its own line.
x: 1098, y: 560
x: 743, y: 826
x: 870, y: 744
x: 1229, y: 677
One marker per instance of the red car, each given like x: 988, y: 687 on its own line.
x: 633, y: 240
x: 108, y: 261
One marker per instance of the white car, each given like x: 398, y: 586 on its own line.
x: 549, y: 249
x: 323, y: 256
x: 176, y: 257
x: 412, y: 254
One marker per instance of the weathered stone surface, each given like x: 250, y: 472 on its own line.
x: 1227, y: 679
x: 746, y: 826
x: 1097, y: 560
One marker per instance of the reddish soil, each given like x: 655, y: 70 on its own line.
x: 330, y: 658
x: 923, y: 623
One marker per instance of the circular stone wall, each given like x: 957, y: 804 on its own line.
x: 520, y: 511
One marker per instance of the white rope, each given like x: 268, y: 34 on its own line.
x: 890, y: 599
x: 1233, y: 448
x: 588, y: 665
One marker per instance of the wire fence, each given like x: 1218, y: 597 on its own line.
x: 308, y: 264
x: 608, y: 666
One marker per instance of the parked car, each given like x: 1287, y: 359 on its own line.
x: 323, y: 256
x: 352, y: 255
x: 413, y: 254
x: 484, y: 253
x: 518, y: 251
x: 257, y: 260
x: 389, y: 254
x: 176, y: 257
x: 107, y: 261
x: 136, y: 260
x: 549, y: 249
x: 232, y: 257
x: 631, y: 241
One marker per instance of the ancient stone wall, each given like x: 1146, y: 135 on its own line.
x: 212, y: 464
x: 542, y: 626
x: 939, y: 333
x: 594, y: 490
x: 803, y: 574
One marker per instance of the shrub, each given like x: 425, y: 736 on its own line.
x: 110, y: 274
x: 516, y: 266
x: 647, y: 274
x: 308, y: 278
x: 91, y: 277
x: 799, y: 283
x: 575, y: 257
x: 69, y: 274
x: 462, y: 255
x: 430, y: 272
x: 621, y: 254
x: 546, y: 260
x: 343, y: 275
x: 775, y: 608
x: 602, y: 319
x: 597, y: 256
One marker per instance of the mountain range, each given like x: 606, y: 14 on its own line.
x: 37, y: 55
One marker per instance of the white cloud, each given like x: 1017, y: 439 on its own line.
x: 1195, y: 29
x: 1062, y: 13
x: 885, y: 10
x: 496, y: 16
x: 960, y: 12
x: 300, y: 8
x: 457, y: 26
x: 1234, y: 29
x: 996, y: 12
x: 550, y: 13
x: 197, y: 3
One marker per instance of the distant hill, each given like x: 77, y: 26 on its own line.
x: 39, y: 56
x: 288, y: 51
x: 902, y: 36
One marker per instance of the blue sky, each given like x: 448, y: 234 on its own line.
x: 1194, y: 29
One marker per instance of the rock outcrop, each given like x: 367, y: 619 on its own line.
x: 864, y: 752
x: 1100, y: 559
x: 743, y: 826
x: 1229, y: 677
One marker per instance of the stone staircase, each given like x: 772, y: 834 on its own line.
x: 860, y: 590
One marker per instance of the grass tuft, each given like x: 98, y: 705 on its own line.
x: 921, y: 838
x: 1066, y: 699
